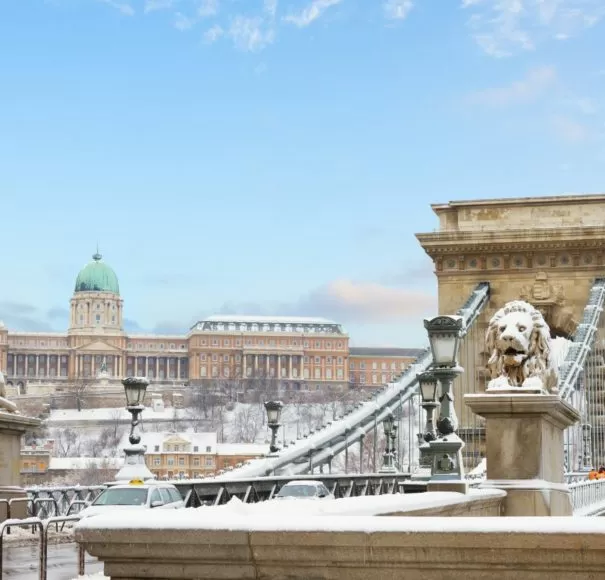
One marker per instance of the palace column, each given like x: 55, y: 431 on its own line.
x: 37, y: 365
x: 301, y: 373
x: 157, y: 367
x: 178, y: 368
x: 167, y: 371
x: 255, y: 364
x: 279, y: 366
x: 48, y: 365
x: 146, y: 366
x: 290, y: 367
x: 26, y: 364
x: 267, y: 358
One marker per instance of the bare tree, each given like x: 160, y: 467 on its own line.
x: 95, y: 473
x: 78, y: 392
x: 67, y: 443
x: 247, y: 423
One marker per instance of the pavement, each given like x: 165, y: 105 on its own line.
x: 21, y: 562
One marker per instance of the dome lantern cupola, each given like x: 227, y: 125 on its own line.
x: 97, y: 276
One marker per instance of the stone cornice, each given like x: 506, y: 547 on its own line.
x: 452, y: 242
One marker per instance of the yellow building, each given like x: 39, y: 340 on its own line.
x: 298, y: 353
x: 194, y: 455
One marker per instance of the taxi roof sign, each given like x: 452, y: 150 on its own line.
x: 136, y: 482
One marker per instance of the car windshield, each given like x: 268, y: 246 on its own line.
x: 123, y: 496
x: 297, y: 491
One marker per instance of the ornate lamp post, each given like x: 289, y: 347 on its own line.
x: 445, y: 333
x: 387, y: 458
x: 428, y: 393
x: 394, y: 461
x: 134, y: 463
x: 273, y: 409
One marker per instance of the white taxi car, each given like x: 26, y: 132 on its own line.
x: 135, y: 495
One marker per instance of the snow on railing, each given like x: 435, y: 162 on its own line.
x: 588, y: 497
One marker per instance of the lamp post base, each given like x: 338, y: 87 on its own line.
x: 448, y: 470
x: 134, y: 465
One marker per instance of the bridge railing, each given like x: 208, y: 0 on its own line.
x: 588, y: 497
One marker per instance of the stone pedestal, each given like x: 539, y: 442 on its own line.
x: 12, y: 428
x: 524, y: 450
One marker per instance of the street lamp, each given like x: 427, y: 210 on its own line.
x: 387, y: 459
x: 395, y: 463
x: 428, y: 393
x: 444, y: 337
x: 445, y: 333
x: 134, y: 467
x: 273, y: 409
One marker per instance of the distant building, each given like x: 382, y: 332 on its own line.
x: 293, y: 353
x: 194, y: 455
x: 370, y: 366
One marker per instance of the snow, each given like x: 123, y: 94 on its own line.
x: 68, y: 463
x: 110, y: 415
x: 97, y: 576
x: 267, y: 319
x: 309, y: 514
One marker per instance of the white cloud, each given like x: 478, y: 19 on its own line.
x: 570, y: 131
x: 250, y: 34
x: 311, y: 13
x: 122, y: 7
x: 207, y: 8
x: 586, y: 106
x: 397, y: 9
x: 154, y: 5
x: 504, y: 27
x: 535, y: 84
x: 352, y: 301
x: 213, y: 34
x: 270, y: 7
x: 182, y: 22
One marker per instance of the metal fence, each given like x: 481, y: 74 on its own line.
x: 40, y: 528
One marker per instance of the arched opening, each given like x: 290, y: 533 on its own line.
x: 21, y: 388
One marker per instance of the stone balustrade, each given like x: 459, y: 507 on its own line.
x: 265, y: 540
x: 201, y: 544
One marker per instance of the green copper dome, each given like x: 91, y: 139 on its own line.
x: 97, y: 276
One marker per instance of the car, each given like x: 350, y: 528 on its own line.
x: 304, y: 489
x: 135, y: 495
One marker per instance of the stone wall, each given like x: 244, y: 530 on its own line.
x: 353, y: 548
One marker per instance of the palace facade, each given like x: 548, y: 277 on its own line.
x: 300, y: 353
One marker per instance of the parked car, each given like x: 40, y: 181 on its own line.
x: 304, y: 489
x: 135, y: 495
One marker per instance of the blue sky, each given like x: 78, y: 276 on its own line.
x: 243, y: 156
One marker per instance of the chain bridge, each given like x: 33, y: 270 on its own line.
x: 547, y: 251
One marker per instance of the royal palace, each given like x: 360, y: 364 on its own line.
x: 298, y: 353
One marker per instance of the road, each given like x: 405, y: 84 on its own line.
x: 21, y: 563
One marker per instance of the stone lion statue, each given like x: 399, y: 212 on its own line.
x: 518, y: 340
x: 5, y: 404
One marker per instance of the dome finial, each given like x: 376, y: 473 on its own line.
x: 96, y: 256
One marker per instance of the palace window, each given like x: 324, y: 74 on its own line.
x: 208, y: 449
x: 328, y: 373
x: 317, y: 360
x: 226, y: 342
x: 226, y: 358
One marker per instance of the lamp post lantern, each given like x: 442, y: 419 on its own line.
x: 134, y: 463
x: 388, y: 424
x: 428, y: 394
x: 273, y: 409
x: 445, y: 333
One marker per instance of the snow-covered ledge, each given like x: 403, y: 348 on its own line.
x: 234, y: 540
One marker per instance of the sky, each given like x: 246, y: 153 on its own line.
x: 278, y: 156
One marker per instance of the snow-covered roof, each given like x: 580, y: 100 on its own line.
x: 152, y: 440
x: 243, y: 449
x: 267, y: 319
x: 67, y: 463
